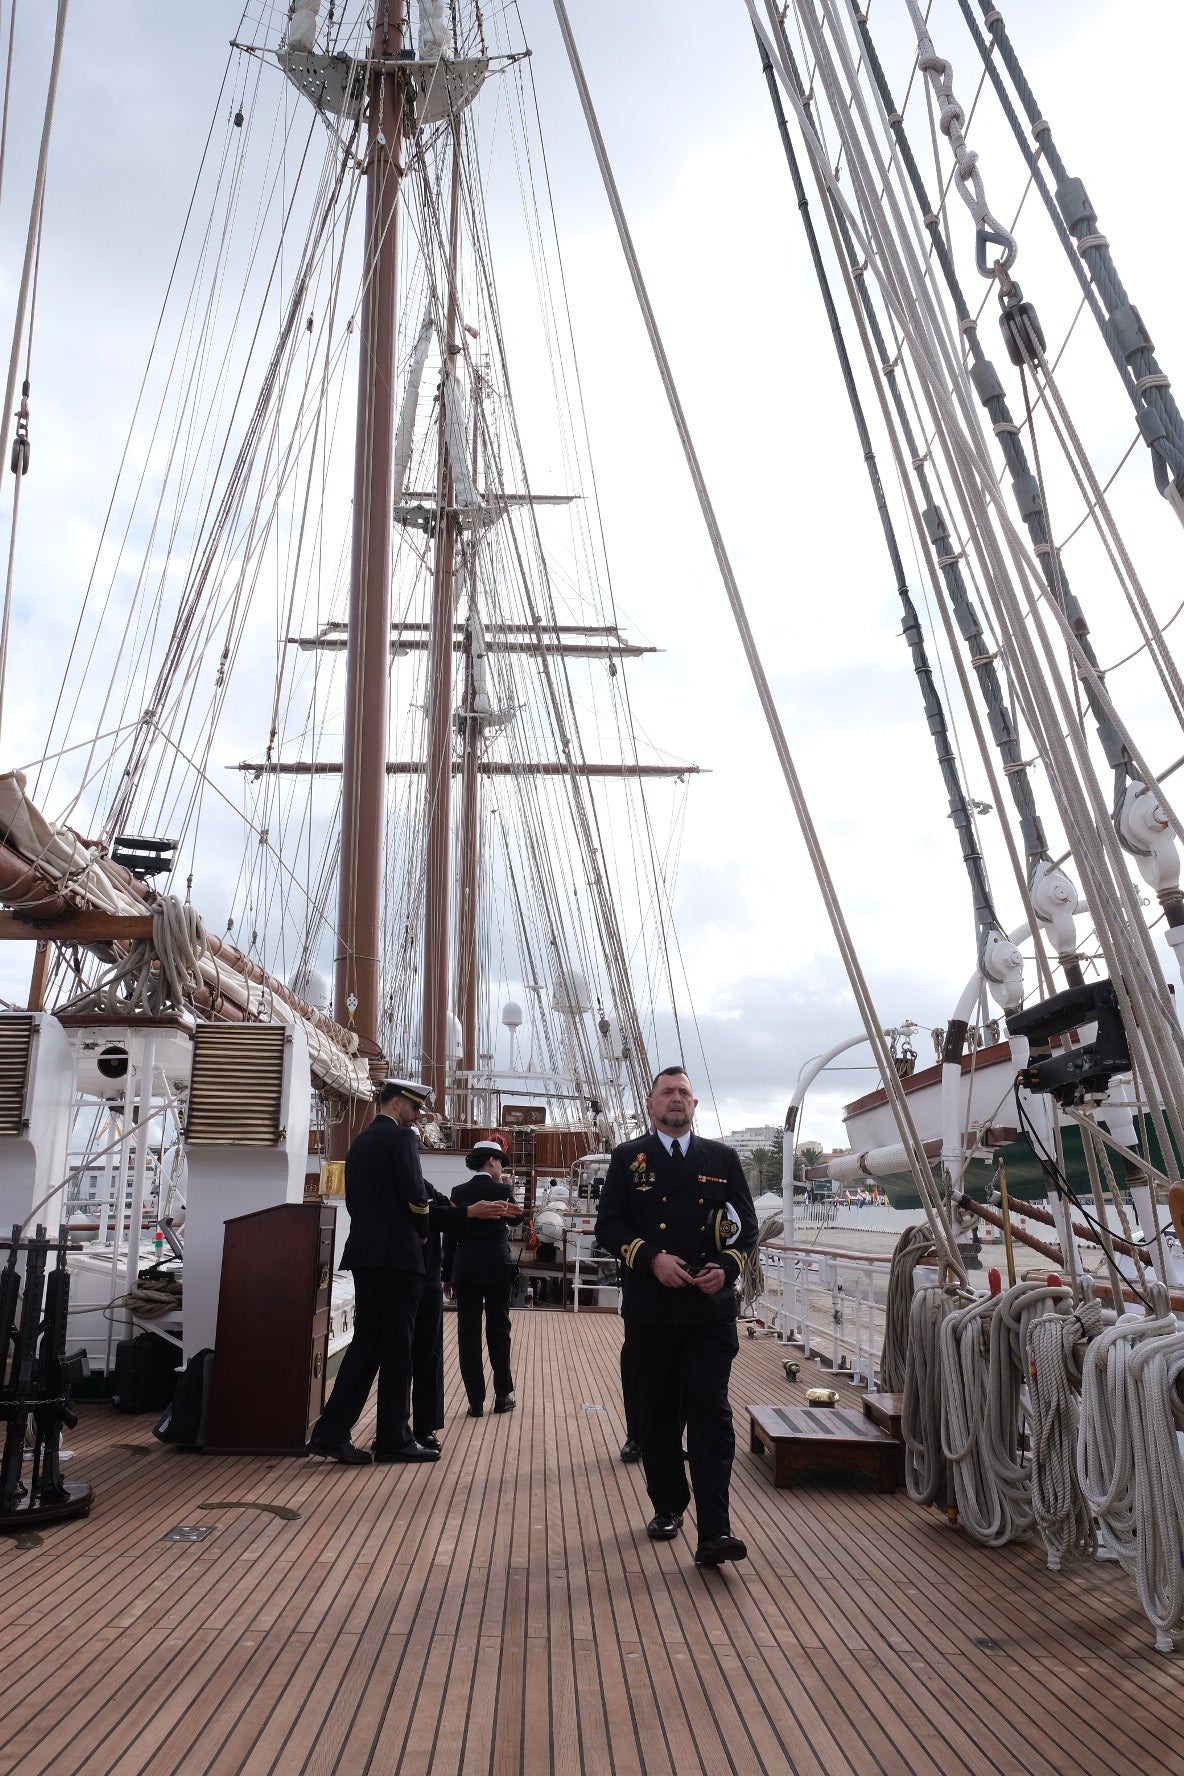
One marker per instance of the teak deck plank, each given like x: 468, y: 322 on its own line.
x: 502, y: 1612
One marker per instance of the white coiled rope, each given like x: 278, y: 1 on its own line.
x: 1054, y: 1345
x: 178, y: 945
x: 920, y: 1419
x: 910, y: 1248
x: 982, y: 1416
x: 983, y: 1507
x: 1128, y: 1458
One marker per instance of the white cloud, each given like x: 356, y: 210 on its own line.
x: 686, y: 117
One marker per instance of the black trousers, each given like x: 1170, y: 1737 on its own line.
x: 684, y: 1369
x: 427, y: 1360
x: 384, y: 1323
x: 630, y: 1386
x: 489, y: 1295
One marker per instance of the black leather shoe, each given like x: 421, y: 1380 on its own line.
x: 664, y: 1527
x: 716, y: 1549
x: 631, y: 1450
x: 346, y: 1453
x: 409, y: 1452
x: 504, y: 1403
x: 428, y: 1440
x: 475, y: 1411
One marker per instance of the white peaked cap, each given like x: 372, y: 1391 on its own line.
x: 415, y: 1089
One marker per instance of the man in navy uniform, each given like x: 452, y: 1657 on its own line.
x: 678, y: 1212
x: 388, y: 1212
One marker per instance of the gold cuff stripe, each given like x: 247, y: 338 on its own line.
x: 418, y: 1208
x: 629, y: 1252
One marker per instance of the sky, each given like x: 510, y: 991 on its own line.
x: 685, y: 115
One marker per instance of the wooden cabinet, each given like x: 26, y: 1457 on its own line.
x: 268, y: 1383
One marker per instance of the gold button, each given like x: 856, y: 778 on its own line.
x: 700, y: 1202
x: 662, y: 1225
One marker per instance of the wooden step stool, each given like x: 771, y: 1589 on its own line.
x: 885, y: 1410
x: 801, y: 1437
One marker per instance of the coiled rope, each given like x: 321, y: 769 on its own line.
x: 913, y: 1243
x: 920, y: 1420
x: 1054, y: 1347
x: 158, y: 973
x: 1128, y: 1457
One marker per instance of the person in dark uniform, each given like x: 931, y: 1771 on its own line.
x: 427, y: 1342
x: 478, y: 1265
x: 388, y: 1211
x: 630, y: 1388
x: 678, y: 1211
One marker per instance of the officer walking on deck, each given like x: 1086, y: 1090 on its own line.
x: 678, y: 1211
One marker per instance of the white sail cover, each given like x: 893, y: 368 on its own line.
x: 405, y: 434
x: 80, y: 873
x: 435, y: 39
x: 302, y: 28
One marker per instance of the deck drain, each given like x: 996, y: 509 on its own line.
x: 189, y: 1532
x: 986, y: 1644
x: 591, y: 1406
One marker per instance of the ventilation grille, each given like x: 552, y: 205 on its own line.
x: 237, y: 1089
x: 16, y: 1051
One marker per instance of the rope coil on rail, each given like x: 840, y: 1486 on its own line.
x: 1129, y: 1461
x: 1054, y: 1344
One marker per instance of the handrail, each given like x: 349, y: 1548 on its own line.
x: 827, y: 1252
x: 849, y: 1321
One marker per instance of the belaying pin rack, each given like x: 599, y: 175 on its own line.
x: 35, y: 1379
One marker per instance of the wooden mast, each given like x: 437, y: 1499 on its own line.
x: 357, y: 984
x: 437, y: 887
x: 467, y: 902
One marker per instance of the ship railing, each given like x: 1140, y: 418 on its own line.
x: 828, y: 1301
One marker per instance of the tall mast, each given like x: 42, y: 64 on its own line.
x: 470, y: 728
x: 357, y: 986
x: 439, y: 757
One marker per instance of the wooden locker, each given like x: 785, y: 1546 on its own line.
x: 268, y: 1383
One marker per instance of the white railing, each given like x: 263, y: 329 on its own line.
x: 830, y: 1302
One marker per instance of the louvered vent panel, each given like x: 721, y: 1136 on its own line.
x: 16, y: 1052
x: 236, y: 1092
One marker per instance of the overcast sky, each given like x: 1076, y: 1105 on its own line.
x: 686, y: 118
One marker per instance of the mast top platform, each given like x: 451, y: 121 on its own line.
x: 336, y: 84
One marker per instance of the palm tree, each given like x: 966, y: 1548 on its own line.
x: 759, y: 1167
x: 808, y: 1154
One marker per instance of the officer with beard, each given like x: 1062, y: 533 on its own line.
x: 678, y: 1212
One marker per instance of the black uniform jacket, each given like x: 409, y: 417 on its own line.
x: 443, y: 1220
x: 386, y: 1198
x: 475, y: 1251
x: 701, y: 1211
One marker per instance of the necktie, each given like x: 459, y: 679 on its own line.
x: 675, y: 1152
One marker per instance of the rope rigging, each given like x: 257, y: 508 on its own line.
x: 1129, y: 343
x: 1031, y: 663
x: 960, y: 811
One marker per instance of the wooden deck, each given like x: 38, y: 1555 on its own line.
x: 503, y: 1611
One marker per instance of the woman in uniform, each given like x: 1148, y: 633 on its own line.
x: 478, y: 1265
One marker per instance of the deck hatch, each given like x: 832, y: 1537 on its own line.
x: 236, y: 1095
x: 16, y: 1054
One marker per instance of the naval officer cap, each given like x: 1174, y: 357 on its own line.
x: 483, y: 1150
x: 414, y: 1089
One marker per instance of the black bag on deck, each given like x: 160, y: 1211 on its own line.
x: 145, y: 1373
x: 183, y: 1421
